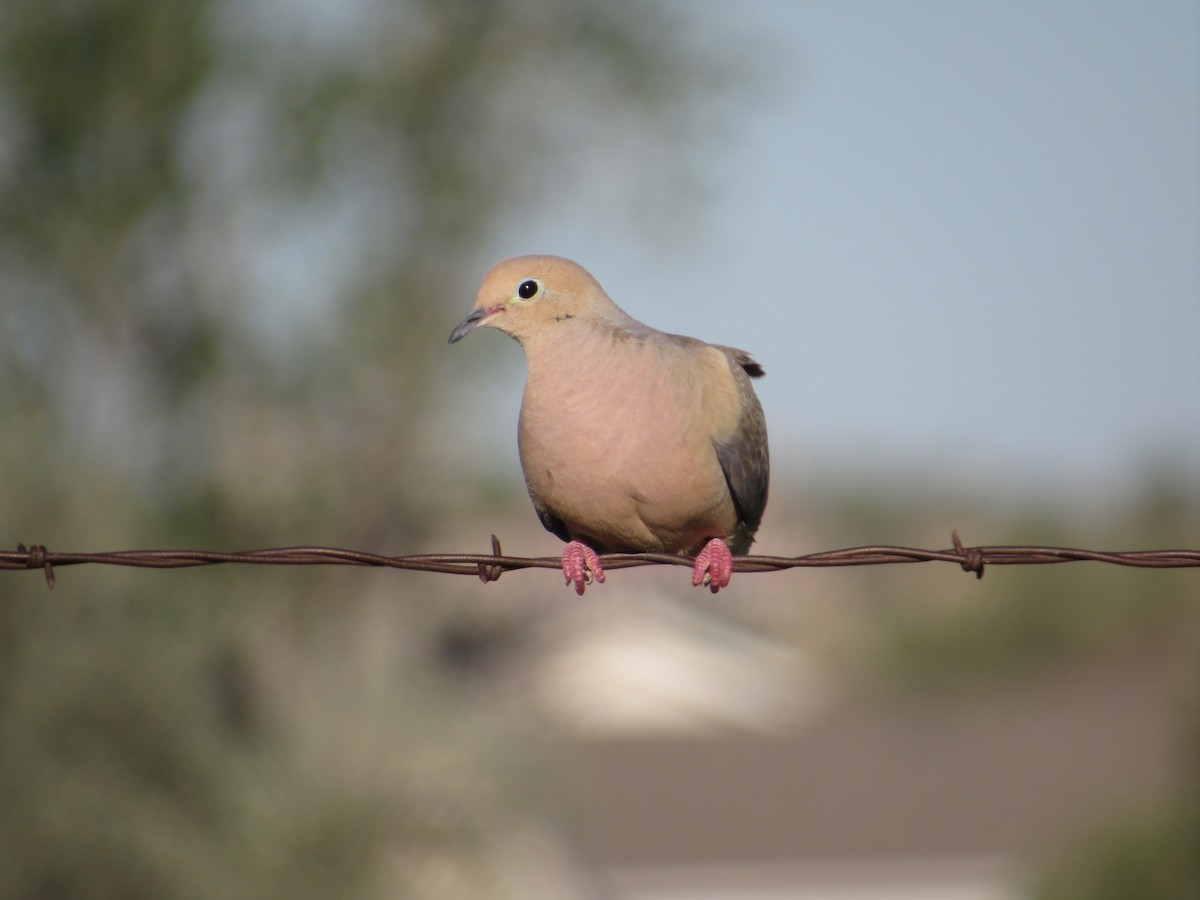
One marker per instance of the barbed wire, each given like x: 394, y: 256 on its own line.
x: 489, y: 567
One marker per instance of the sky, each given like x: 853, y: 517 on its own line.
x: 962, y: 237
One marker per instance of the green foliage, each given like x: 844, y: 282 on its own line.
x: 1139, y: 857
x: 134, y: 763
x: 231, y: 238
x: 231, y: 234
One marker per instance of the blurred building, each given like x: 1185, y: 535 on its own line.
x: 705, y: 761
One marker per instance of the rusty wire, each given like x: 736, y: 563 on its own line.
x: 489, y: 567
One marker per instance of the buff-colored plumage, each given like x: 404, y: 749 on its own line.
x: 631, y: 439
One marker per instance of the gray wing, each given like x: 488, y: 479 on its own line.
x: 744, y: 457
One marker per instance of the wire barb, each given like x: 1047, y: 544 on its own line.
x: 488, y: 572
x: 972, y: 558
x: 37, y: 557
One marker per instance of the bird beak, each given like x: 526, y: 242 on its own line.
x: 471, y: 322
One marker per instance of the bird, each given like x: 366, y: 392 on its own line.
x: 631, y: 439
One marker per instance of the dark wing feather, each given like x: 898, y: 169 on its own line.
x: 550, y: 521
x: 744, y: 457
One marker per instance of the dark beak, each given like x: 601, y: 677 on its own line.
x: 469, y: 324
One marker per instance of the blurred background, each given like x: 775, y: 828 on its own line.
x: 964, y: 241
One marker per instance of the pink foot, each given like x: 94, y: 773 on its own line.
x: 714, y: 566
x: 580, y: 564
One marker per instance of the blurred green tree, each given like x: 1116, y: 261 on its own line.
x: 229, y: 230
x: 231, y: 237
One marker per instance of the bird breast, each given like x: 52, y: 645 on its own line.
x: 616, y: 439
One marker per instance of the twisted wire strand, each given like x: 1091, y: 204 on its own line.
x: 489, y: 567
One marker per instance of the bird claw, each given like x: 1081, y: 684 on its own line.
x: 714, y: 566
x: 580, y: 565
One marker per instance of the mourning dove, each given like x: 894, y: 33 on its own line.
x: 631, y: 439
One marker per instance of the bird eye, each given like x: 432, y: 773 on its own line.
x: 529, y: 288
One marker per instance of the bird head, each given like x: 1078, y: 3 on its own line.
x: 526, y: 295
